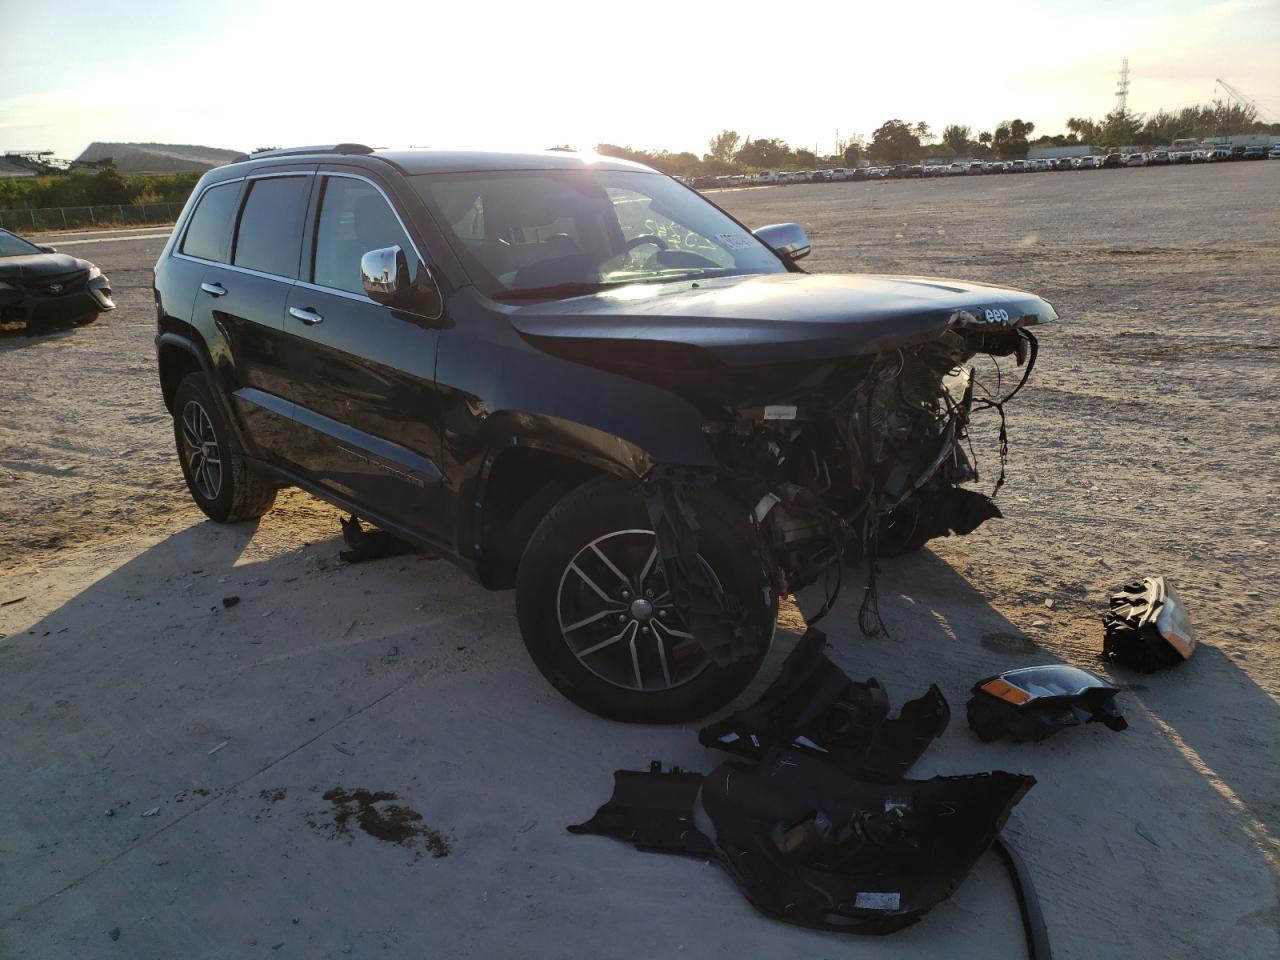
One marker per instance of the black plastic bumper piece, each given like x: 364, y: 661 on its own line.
x: 808, y: 844
x: 813, y: 706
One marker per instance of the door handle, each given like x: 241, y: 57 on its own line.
x: 306, y: 315
x: 214, y: 289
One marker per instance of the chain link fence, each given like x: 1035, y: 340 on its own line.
x: 108, y: 215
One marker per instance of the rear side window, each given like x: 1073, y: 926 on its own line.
x: 270, y: 228
x: 210, y: 230
x: 354, y: 219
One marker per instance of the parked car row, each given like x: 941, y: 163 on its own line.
x: 903, y: 171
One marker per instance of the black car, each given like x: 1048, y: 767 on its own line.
x: 40, y: 287
x: 574, y: 376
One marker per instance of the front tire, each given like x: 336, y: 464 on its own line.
x: 597, y: 617
x: 221, y: 481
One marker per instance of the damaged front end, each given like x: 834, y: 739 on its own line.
x: 847, y: 460
x: 832, y: 409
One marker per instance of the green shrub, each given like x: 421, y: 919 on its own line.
x: 103, y: 187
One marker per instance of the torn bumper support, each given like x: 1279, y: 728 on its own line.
x: 813, y: 706
x: 808, y: 844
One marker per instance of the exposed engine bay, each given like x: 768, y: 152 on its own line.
x: 842, y: 461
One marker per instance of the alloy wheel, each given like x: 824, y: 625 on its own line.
x: 617, y: 616
x: 200, y: 451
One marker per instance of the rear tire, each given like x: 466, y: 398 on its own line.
x: 598, y: 622
x: 221, y: 481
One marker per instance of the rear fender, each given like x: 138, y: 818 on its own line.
x: 182, y: 341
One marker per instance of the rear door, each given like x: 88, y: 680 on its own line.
x: 363, y: 374
x: 242, y: 299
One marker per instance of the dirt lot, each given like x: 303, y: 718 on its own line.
x: 267, y: 733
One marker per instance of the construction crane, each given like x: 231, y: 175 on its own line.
x: 1242, y: 97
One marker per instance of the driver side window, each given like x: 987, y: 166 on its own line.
x: 637, y: 218
x: 354, y: 219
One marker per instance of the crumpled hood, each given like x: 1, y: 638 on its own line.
x: 37, y: 266
x: 781, y: 318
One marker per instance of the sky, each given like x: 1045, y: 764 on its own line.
x: 529, y: 74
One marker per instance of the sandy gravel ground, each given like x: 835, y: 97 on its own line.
x: 1146, y: 443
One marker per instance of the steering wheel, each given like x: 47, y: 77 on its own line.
x: 645, y: 238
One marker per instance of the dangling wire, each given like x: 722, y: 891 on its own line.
x: 984, y: 403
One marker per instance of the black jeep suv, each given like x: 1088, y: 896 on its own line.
x: 578, y: 377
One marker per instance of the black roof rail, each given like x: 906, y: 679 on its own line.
x: 357, y: 148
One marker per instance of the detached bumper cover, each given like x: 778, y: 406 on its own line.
x: 808, y: 844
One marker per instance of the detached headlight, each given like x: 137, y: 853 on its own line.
x: 94, y: 272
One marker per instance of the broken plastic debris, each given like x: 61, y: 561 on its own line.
x: 814, y: 706
x: 218, y: 747
x: 151, y: 813
x: 1147, y: 627
x: 1033, y: 703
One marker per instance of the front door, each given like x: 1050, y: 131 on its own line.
x: 363, y: 374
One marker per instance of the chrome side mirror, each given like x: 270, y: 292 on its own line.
x: 788, y: 240
x: 47, y: 249
x: 385, y: 275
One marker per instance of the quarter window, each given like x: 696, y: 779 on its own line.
x: 354, y: 219
x: 271, y: 225
x: 210, y: 227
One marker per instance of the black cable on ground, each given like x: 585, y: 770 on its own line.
x: 1032, y: 918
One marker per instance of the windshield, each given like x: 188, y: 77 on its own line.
x: 553, y: 233
x: 11, y: 246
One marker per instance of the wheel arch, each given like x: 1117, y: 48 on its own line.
x: 519, y: 484
x: 180, y: 351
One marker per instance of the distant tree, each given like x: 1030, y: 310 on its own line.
x: 1010, y: 139
x: 893, y: 142
x: 262, y: 149
x: 922, y: 132
x: 622, y: 153
x: 107, y: 186
x: 712, y: 167
x: 984, y: 137
x: 1085, y: 129
x: 677, y: 164
x: 764, y: 154
x: 724, y: 145
x: 956, y: 136
x: 853, y: 153
x: 1122, y: 127
x: 805, y: 159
